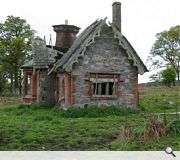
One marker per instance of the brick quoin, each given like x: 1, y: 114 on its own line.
x: 88, y: 88
x: 67, y: 90
x: 134, y: 91
x: 34, y: 85
x: 72, y: 89
x: 119, y: 93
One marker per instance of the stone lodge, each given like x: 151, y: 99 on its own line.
x: 99, y: 66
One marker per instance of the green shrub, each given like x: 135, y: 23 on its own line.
x: 40, y: 105
x: 169, y: 76
x: 29, y: 138
x: 43, y: 118
x: 1, y: 135
x: 175, y: 126
x: 22, y: 106
x: 94, y: 111
x: 142, y: 108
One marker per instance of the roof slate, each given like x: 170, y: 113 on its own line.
x: 28, y: 64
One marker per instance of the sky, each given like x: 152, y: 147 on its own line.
x: 141, y: 19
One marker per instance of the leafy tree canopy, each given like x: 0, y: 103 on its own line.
x: 168, y: 76
x: 166, y: 50
x: 15, y: 39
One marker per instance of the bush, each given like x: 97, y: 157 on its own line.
x: 22, y: 106
x: 175, y: 126
x: 1, y: 135
x: 34, y: 106
x: 43, y: 118
x: 40, y: 105
x: 169, y: 76
x: 95, y: 111
x: 29, y: 138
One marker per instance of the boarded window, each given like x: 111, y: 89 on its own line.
x: 104, y: 85
x: 105, y: 88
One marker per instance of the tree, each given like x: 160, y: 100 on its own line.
x: 166, y: 50
x: 15, y: 43
x: 169, y: 76
x: 155, y: 77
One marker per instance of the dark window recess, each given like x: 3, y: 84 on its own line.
x: 104, y: 88
x: 111, y: 88
x: 104, y: 85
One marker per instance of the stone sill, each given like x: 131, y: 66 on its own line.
x: 103, y: 97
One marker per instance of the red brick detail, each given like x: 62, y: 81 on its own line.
x: 28, y: 99
x: 61, y: 90
x: 73, y: 77
x: 134, y: 102
x: 67, y: 90
x: 88, y: 89
x: 31, y: 96
x: 134, y: 91
x: 72, y: 89
x: 134, y: 80
x: 73, y: 100
x: 34, y: 85
x: 65, y: 35
x: 119, y: 93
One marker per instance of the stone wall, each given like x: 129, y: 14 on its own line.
x: 105, y: 55
x: 42, y: 58
x: 46, y: 85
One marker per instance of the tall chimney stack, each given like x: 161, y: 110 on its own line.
x: 65, y: 35
x: 116, y: 15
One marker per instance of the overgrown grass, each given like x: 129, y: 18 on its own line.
x: 94, y: 111
x: 45, y: 129
x: 156, y: 99
x: 50, y: 128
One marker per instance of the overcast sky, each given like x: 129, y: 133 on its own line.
x: 141, y: 19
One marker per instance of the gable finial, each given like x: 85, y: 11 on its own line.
x: 44, y: 38
x: 50, y: 41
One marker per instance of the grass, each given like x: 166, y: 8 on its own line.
x: 49, y: 128
x: 155, y: 99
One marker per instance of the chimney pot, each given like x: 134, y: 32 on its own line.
x: 116, y: 15
x: 65, y: 35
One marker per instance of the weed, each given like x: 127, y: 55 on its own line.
x: 1, y: 135
x: 175, y: 126
x: 43, y: 118
x: 29, y: 138
x: 22, y: 106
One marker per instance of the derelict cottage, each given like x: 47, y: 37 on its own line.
x: 98, y: 66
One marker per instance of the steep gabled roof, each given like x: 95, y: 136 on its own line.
x: 86, y: 38
x: 132, y: 54
x: 79, y: 46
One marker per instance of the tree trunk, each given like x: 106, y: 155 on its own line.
x: 20, y: 83
x: 178, y: 72
x: 11, y: 88
x: 16, y: 81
